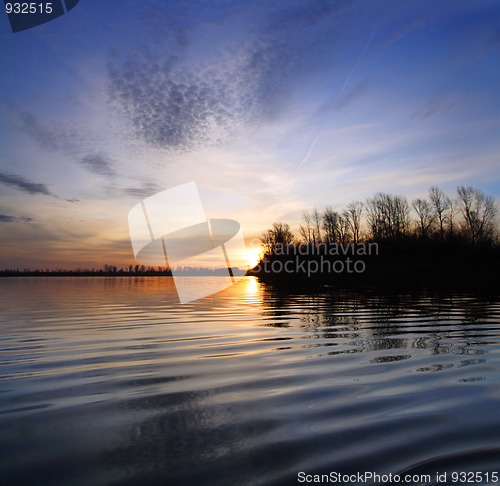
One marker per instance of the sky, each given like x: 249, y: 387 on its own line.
x: 272, y: 108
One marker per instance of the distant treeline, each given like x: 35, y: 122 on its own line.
x: 114, y: 271
x: 106, y: 271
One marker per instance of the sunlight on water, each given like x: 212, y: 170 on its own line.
x: 112, y: 381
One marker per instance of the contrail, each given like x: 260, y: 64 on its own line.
x: 304, y: 160
x: 346, y: 82
x: 357, y: 61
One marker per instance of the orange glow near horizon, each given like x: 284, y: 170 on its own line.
x: 252, y: 255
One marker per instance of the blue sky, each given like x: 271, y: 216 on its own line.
x: 271, y: 107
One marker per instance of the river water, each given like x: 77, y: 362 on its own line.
x: 109, y: 381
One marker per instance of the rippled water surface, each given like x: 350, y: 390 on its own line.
x: 110, y: 381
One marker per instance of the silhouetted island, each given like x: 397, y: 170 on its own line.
x: 451, y: 241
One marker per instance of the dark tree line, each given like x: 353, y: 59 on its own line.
x: 107, y: 270
x: 468, y: 218
x: 114, y: 271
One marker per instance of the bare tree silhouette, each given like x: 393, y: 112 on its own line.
x: 353, y: 215
x: 278, y: 235
x: 425, y: 215
x: 479, y: 212
x: 388, y: 216
x: 330, y: 225
x: 441, y: 204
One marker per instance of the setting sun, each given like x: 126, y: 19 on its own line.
x: 252, y: 256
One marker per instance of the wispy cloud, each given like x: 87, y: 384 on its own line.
x: 46, y: 135
x: 14, y: 219
x: 182, y: 104
x: 437, y: 105
x: 76, y: 142
x: 24, y: 185
x: 98, y: 163
x: 146, y: 189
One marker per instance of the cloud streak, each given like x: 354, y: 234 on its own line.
x: 49, y: 134
x: 24, y: 185
x: 147, y: 189
x: 14, y: 219
x: 98, y: 163
x: 33, y: 127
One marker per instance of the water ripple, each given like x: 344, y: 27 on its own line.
x: 110, y: 381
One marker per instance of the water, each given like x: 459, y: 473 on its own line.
x: 108, y: 381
